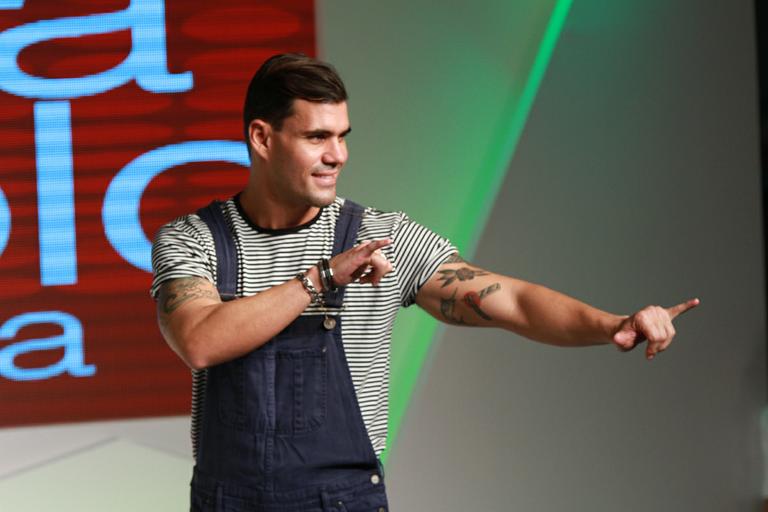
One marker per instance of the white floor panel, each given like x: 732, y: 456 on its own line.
x: 116, y: 475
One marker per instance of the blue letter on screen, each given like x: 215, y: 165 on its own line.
x: 146, y: 62
x: 71, y: 341
x: 11, y: 4
x: 55, y: 193
x: 120, y: 212
x: 5, y: 221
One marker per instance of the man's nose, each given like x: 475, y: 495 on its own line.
x: 335, y: 153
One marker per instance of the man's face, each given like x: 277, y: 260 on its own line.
x: 308, y: 152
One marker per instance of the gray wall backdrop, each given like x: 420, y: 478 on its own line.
x: 636, y: 181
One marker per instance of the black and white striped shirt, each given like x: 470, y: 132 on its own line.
x: 184, y: 247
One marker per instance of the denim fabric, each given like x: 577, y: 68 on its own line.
x: 281, y: 429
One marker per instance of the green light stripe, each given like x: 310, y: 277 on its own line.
x: 503, y: 148
x: 419, y: 329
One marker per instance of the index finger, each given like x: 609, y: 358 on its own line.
x: 375, y: 245
x: 682, y: 307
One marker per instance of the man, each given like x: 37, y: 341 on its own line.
x: 290, y: 398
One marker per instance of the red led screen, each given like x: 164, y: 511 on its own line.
x: 78, y: 336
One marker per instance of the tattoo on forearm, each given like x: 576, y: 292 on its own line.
x: 454, y: 258
x: 448, y: 276
x: 447, y: 307
x: 473, y: 299
x: 177, y: 292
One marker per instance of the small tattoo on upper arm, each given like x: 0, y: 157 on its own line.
x: 178, y: 291
x: 447, y: 309
x: 462, y: 274
x: 473, y: 299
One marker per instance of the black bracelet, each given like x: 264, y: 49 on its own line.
x: 326, y: 275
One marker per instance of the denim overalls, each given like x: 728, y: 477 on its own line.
x: 281, y: 429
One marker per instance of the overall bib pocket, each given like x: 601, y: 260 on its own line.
x: 281, y: 391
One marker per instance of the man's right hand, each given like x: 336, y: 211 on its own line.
x: 355, y: 263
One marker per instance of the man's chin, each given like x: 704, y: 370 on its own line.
x: 324, y: 199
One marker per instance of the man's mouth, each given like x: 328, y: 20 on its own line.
x: 327, y: 178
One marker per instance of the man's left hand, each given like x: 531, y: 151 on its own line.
x: 652, y: 323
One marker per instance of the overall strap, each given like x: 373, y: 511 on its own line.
x: 347, y: 225
x: 226, y: 252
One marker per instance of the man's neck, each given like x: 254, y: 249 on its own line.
x: 268, y: 212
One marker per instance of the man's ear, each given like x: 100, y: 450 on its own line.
x: 260, y: 137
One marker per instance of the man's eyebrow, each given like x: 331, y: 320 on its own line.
x: 325, y: 133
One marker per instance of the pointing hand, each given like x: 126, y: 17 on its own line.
x: 355, y: 262
x: 652, y: 323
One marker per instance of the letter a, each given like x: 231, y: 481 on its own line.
x: 71, y: 341
x: 146, y: 62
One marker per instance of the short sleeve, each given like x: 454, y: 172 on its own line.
x: 182, y: 248
x: 418, y: 253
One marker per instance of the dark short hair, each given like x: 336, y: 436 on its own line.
x: 284, y: 78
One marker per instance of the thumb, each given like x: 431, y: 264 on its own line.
x: 625, y: 338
